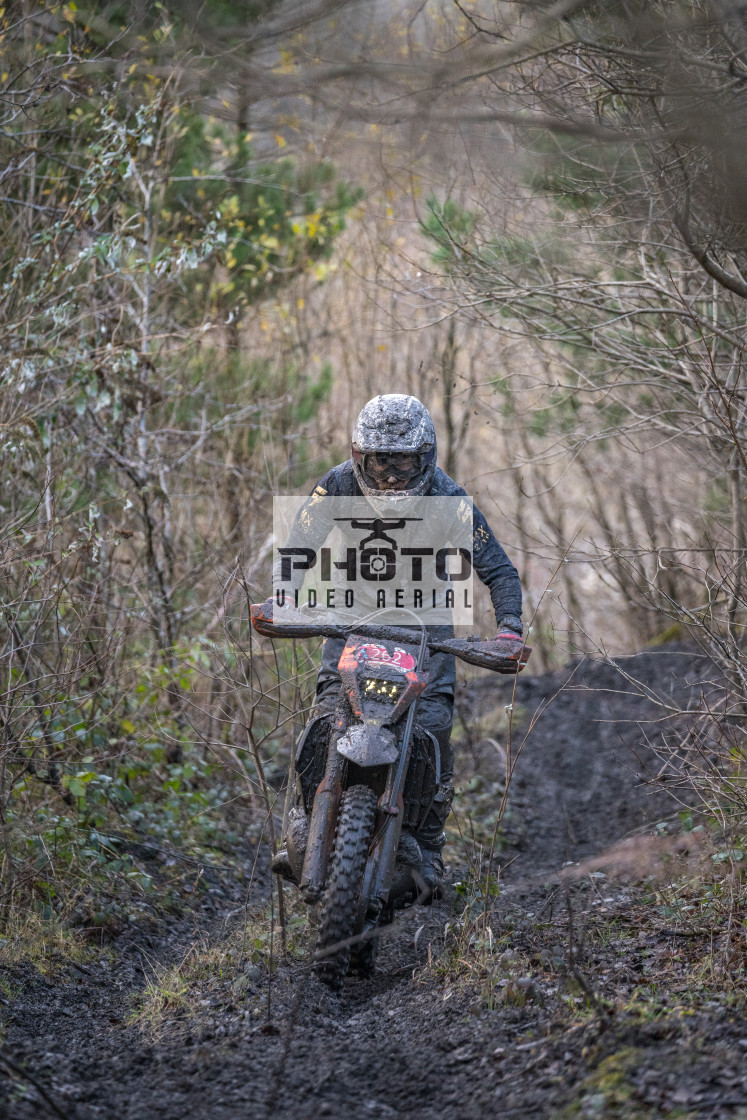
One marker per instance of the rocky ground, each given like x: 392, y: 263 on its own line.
x: 592, y: 996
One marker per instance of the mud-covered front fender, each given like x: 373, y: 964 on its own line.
x: 368, y: 744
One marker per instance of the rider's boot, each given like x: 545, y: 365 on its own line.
x: 280, y: 865
x: 432, y: 872
x: 431, y: 838
x: 288, y: 860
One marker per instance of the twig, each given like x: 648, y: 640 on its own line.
x: 145, y: 842
x: 573, y: 969
x: 24, y: 1075
x: 277, y: 1073
x: 271, y: 960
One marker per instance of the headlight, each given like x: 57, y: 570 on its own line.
x: 376, y: 689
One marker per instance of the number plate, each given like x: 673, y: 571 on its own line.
x: 398, y: 659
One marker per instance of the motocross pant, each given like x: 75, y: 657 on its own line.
x: 435, y: 713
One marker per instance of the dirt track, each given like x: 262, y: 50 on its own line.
x: 542, y: 1034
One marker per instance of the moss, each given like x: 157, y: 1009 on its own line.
x: 671, y: 633
x: 608, y: 1090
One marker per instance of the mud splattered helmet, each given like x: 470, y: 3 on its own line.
x: 394, y: 446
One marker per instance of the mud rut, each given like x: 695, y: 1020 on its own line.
x: 415, y: 1040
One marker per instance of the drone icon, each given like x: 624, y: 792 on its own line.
x: 377, y: 527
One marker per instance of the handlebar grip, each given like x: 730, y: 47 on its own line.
x: 501, y: 655
x: 261, y: 616
x: 263, y: 621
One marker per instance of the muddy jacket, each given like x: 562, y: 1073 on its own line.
x: 490, y: 562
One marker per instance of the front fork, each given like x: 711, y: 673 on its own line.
x: 377, y: 878
x: 322, y: 824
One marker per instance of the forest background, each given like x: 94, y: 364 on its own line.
x: 226, y: 226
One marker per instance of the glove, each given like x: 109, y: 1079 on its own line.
x: 510, y: 627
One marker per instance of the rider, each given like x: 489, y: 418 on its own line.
x: 394, y: 451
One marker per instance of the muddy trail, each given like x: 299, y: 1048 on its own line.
x: 576, y: 1001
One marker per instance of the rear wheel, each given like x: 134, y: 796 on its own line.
x: 339, y: 908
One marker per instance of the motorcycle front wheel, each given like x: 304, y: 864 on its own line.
x: 339, y: 908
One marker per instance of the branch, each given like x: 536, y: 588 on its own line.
x: 706, y: 260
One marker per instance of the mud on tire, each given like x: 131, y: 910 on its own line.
x: 363, y: 957
x: 339, y: 907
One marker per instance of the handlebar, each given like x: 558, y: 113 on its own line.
x: 501, y: 655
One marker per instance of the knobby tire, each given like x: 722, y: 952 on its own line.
x: 339, y: 908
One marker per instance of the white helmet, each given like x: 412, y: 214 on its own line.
x: 394, y: 438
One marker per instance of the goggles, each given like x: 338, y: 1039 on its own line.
x: 381, y: 466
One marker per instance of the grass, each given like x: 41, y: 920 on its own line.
x: 47, y: 944
x: 246, y: 959
x: 165, y: 997
x: 656, y: 948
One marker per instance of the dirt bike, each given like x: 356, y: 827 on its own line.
x: 364, y: 777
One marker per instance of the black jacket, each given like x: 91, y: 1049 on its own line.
x: 489, y: 560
